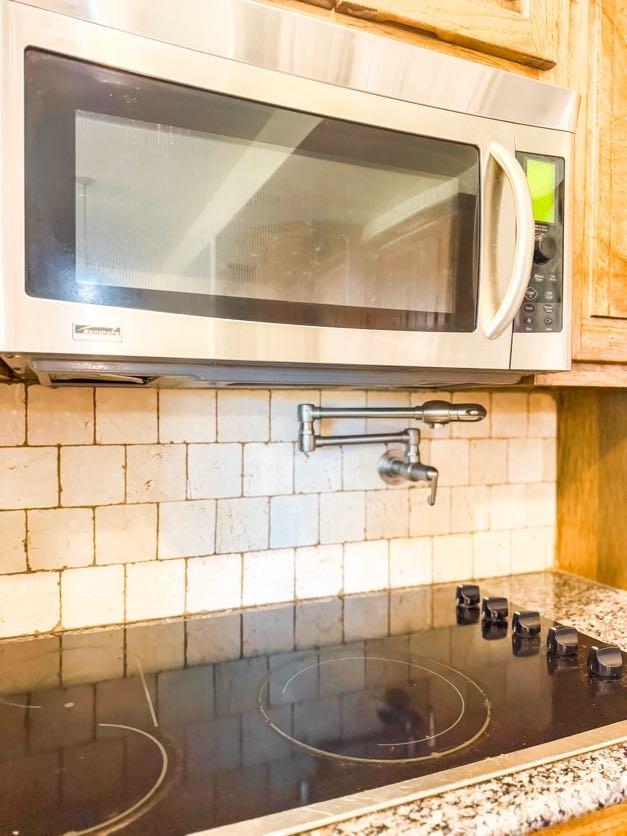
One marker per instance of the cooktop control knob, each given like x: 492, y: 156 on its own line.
x: 545, y: 249
x: 526, y: 623
x: 605, y: 662
x: 494, y: 610
x: 467, y: 596
x: 562, y: 641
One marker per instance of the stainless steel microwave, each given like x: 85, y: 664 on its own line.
x: 235, y: 192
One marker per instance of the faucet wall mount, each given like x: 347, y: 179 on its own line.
x: 394, y: 465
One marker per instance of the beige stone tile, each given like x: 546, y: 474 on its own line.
x: 28, y: 477
x: 60, y: 416
x: 480, y: 429
x: 366, y: 566
x: 214, y: 470
x: 13, y: 539
x: 293, y: 521
x: 126, y: 416
x: 549, y: 471
x: 541, y: 504
x: 492, y: 553
x: 398, y: 400
x: 319, y: 571
x: 509, y: 414
x: 29, y: 603
x: 488, y: 461
x: 92, y: 596
x: 525, y: 460
x: 452, y: 558
x: 155, y: 472
x: 187, y: 529
x: 387, y: 514
x: 242, y: 524
x: 214, y: 583
x: 283, y: 406
x: 92, y: 475
x: 425, y: 519
x: 451, y: 457
x: 470, y: 509
x: 268, y: 469
x: 155, y: 589
x: 542, y: 415
x: 268, y: 577
x: 187, y: 415
x: 529, y: 550
x: 59, y: 538
x: 244, y: 415
x: 342, y: 516
x: 342, y: 398
x: 359, y: 466
x: 508, y: 507
x: 126, y: 533
x: 411, y: 561
x: 13, y: 411
x: 550, y: 546
x: 318, y: 472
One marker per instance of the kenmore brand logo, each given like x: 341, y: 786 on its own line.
x: 97, y: 332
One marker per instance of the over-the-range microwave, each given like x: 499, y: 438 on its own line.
x: 238, y: 193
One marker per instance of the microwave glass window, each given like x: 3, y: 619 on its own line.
x: 152, y: 195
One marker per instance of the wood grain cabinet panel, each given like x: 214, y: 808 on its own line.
x: 523, y: 30
x: 600, y: 327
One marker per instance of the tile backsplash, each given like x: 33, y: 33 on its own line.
x: 121, y: 505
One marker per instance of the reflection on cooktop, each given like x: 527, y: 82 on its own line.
x: 409, y: 710
x: 155, y: 729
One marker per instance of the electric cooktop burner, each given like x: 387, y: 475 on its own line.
x: 175, y: 728
x: 414, y: 709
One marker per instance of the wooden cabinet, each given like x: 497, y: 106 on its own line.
x: 599, y: 71
x: 522, y: 30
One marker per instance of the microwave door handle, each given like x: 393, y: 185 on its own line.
x: 525, y: 242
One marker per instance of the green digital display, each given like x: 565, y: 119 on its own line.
x: 541, y: 177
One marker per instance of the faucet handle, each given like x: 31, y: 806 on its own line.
x: 432, y: 479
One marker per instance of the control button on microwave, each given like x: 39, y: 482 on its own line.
x: 548, y: 308
x: 529, y: 308
x: 549, y: 295
x: 552, y: 277
x: 529, y: 320
x: 546, y: 248
x: 532, y: 294
x: 548, y: 320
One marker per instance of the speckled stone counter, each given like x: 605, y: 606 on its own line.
x: 544, y: 795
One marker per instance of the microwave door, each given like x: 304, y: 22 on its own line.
x: 168, y: 220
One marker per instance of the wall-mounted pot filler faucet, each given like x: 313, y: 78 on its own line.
x: 394, y: 465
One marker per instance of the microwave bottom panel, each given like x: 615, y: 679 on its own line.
x: 59, y: 371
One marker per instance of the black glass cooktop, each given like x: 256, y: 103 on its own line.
x: 179, y: 727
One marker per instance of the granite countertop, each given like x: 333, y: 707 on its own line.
x: 544, y: 795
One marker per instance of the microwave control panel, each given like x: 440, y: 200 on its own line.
x: 541, y: 311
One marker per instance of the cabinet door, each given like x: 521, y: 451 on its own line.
x: 601, y: 279
x: 609, y: 77
x: 524, y: 30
